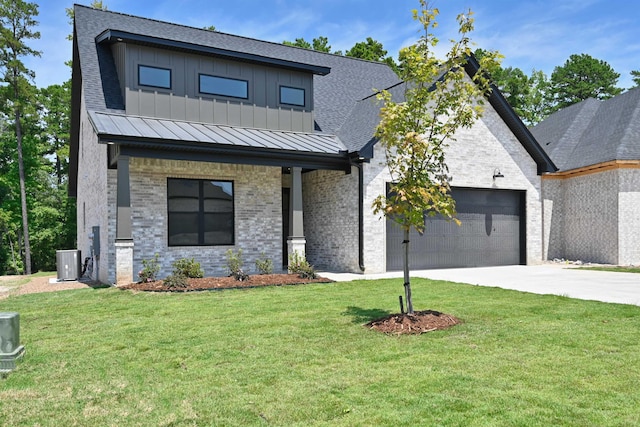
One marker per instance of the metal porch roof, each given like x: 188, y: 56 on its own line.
x: 119, y: 127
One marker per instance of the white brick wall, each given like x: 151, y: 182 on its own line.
x: 629, y: 216
x: 92, y: 201
x: 594, y: 217
x: 258, y: 213
x: 472, y: 159
x: 330, y: 204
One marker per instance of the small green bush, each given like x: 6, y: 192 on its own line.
x: 188, y: 268
x: 299, y: 265
x: 234, y: 265
x: 150, y: 269
x: 264, y: 265
x: 176, y: 281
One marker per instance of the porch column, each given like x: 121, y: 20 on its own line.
x: 296, y: 240
x: 124, y: 239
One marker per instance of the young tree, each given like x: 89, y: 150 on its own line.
x: 439, y: 99
x: 16, y: 23
x: 582, y: 77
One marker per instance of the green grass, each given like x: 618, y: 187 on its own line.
x: 299, y: 356
x: 614, y: 269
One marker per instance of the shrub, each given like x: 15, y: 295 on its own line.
x: 234, y: 265
x: 264, y: 265
x: 188, y: 268
x: 150, y: 269
x: 176, y: 281
x: 299, y: 265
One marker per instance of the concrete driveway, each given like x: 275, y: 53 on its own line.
x: 555, y: 279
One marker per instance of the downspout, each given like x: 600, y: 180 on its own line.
x: 358, y: 165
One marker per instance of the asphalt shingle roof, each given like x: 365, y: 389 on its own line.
x: 593, y: 132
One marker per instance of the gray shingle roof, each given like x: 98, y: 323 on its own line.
x: 335, y: 94
x: 593, y: 132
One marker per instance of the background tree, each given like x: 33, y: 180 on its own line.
x: 439, y: 99
x: 16, y: 23
x: 635, y: 75
x: 581, y: 77
x: 372, y: 50
x: 319, y: 44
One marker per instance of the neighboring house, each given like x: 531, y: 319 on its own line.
x: 592, y: 204
x: 188, y: 143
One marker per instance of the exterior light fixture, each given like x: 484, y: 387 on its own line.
x: 497, y: 173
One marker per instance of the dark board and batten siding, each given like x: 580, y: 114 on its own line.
x: 492, y: 233
x: 183, y: 101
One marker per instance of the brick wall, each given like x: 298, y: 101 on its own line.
x: 258, y: 213
x: 330, y: 206
x: 629, y: 216
x: 472, y: 159
x: 584, y: 221
x: 92, y: 199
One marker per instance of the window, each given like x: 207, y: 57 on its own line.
x: 291, y: 96
x: 200, y: 212
x: 154, y: 76
x: 224, y: 86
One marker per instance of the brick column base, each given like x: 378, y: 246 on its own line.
x: 124, y: 263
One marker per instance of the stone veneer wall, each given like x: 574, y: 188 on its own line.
x: 629, y: 216
x: 584, y: 220
x: 258, y: 213
x: 472, y: 159
x: 92, y: 199
x: 330, y: 209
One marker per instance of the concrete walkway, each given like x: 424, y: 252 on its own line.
x: 555, y: 279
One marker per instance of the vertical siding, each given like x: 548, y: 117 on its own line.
x: 262, y: 108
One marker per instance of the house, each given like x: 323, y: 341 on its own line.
x: 188, y: 143
x: 592, y: 203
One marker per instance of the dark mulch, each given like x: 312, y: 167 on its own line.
x: 212, y: 283
x: 417, y: 323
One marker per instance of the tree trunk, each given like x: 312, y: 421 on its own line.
x: 23, y: 196
x: 407, y: 280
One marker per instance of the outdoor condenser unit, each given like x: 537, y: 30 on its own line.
x: 69, y: 264
x: 10, y: 348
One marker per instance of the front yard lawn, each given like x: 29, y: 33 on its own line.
x: 299, y: 355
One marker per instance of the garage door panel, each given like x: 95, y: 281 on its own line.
x: 491, y: 233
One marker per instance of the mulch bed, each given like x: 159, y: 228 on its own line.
x: 417, y: 323
x: 213, y: 283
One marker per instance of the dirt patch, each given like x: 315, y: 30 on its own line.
x: 37, y: 285
x: 212, y: 283
x: 417, y: 323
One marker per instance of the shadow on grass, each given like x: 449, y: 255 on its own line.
x: 365, y: 315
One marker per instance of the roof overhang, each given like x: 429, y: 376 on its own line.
x: 115, y: 36
x: 181, y: 140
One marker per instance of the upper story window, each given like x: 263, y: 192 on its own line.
x: 291, y: 96
x: 224, y: 86
x: 154, y: 76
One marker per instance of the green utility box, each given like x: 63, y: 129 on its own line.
x: 10, y: 348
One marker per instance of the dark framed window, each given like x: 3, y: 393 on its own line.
x: 200, y: 212
x: 292, y: 96
x: 154, y: 76
x: 224, y: 86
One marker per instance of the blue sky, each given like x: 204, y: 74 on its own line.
x: 538, y: 34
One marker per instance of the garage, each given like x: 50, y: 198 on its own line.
x: 492, y: 233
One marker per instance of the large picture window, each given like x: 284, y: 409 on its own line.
x: 200, y: 212
x: 154, y: 76
x: 224, y: 86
